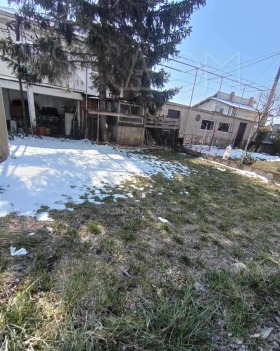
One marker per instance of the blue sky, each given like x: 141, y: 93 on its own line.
x: 226, y: 34
x: 232, y: 31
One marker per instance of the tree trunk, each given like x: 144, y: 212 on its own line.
x: 18, y: 38
x: 102, y: 104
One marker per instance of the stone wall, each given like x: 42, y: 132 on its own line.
x: 199, y: 140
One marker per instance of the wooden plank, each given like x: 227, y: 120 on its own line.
x: 161, y: 127
x: 148, y: 122
x: 114, y: 114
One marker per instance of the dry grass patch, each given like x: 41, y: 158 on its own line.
x: 112, y: 277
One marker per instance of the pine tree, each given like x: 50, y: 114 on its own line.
x: 31, y: 58
x: 123, y: 39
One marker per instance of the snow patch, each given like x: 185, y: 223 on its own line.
x: 19, y: 252
x: 51, y: 172
x: 163, y: 220
x: 44, y: 217
x: 235, y: 153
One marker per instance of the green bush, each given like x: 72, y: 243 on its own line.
x: 262, y: 134
x: 248, y: 160
x: 276, y: 142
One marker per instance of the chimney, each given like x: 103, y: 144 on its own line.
x: 232, y: 96
x: 251, y: 101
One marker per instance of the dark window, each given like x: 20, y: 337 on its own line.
x: 173, y: 114
x: 206, y: 124
x: 224, y: 127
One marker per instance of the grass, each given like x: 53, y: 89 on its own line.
x: 112, y: 277
x: 270, y: 166
x: 94, y: 227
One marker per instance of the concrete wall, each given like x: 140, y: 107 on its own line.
x: 129, y: 135
x: 4, y: 146
x: 192, y: 133
x: 190, y: 128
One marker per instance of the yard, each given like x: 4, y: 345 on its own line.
x: 135, y: 251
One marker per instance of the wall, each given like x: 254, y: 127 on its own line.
x: 213, y: 105
x: 192, y: 133
x: 190, y: 129
x: 173, y: 106
x: 130, y: 135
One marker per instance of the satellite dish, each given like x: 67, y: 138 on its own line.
x: 198, y: 118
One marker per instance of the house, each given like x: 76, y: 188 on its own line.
x: 220, y: 120
x: 46, y: 105
x: 69, y: 110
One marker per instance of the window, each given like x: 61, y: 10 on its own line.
x: 206, y: 124
x: 224, y: 127
x: 219, y: 109
x: 173, y: 114
x: 232, y: 112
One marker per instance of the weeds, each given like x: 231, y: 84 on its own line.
x: 95, y: 227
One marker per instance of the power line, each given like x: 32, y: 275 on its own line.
x: 267, y: 56
x: 215, y: 74
x: 262, y: 58
x: 254, y: 63
x: 257, y: 58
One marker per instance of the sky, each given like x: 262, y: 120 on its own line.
x: 227, y: 35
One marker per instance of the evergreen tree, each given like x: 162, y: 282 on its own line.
x: 125, y: 40
x: 31, y: 57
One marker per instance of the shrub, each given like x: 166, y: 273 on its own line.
x: 248, y: 160
x: 262, y: 134
x: 276, y: 142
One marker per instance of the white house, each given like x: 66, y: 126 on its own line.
x: 220, y: 119
x: 58, y: 104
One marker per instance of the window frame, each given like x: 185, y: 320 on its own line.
x: 212, y: 123
x: 177, y: 112
x: 224, y: 131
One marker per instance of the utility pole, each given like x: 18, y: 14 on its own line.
x: 270, y: 98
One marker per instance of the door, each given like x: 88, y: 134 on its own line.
x: 240, y: 134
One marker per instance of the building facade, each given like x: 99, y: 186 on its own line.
x: 219, y: 120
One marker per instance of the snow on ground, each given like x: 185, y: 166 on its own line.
x: 50, y: 172
x: 235, y: 153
